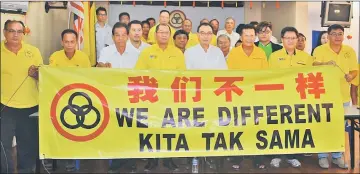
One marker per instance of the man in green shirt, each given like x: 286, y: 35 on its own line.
x: 264, y: 32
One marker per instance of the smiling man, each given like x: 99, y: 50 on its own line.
x: 336, y: 53
x: 19, y: 99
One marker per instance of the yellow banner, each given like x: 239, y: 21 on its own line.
x: 112, y: 113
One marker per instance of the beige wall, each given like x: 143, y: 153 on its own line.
x: 301, y: 25
x: 279, y: 17
x: 253, y: 14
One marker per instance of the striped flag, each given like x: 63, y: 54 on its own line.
x: 84, y: 25
x: 77, y: 8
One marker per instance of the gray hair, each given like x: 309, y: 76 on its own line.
x: 223, y: 35
x: 230, y: 18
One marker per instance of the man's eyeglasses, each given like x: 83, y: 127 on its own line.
x: 15, y: 31
x: 264, y: 32
x: 290, y: 38
x: 163, y: 32
x: 336, y: 34
x: 101, y: 14
x: 205, y: 34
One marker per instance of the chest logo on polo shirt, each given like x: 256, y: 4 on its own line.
x: 28, y: 54
x: 347, y: 55
x: 281, y: 58
x: 152, y: 56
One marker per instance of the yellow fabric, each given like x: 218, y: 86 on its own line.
x: 356, y: 80
x: 143, y: 39
x: 213, y: 40
x: 138, y: 109
x: 193, y: 40
x: 152, y: 35
x: 14, y: 70
x: 154, y: 57
x: 59, y: 59
x: 280, y: 59
x: 237, y: 59
x: 346, y: 60
x: 89, y: 31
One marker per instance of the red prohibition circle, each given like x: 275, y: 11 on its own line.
x: 66, y: 134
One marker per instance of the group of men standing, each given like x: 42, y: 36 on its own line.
x: 124, y: 46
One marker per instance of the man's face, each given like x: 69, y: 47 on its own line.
x: 152, y: 23
x: 164, y: 18
x: 135, y: 32
x: 290, y: 40
x: 163, y: 34
x: 301, y: 43
x: 229, y: 25
x: 205, y: 35
x: 224, y: 44
x: 69, y: 42
x: 187, y: 26
x: 120, y: 36
x: 336, y: 37
x: 14, y: 33
x: 125, y: 19
x: 248, y: 37
x: 145, y: 29
x: 215, y: 25
x: 181, y: 41
x: 101, y: 16
x: 264, y: 34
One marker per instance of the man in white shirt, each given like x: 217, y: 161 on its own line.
x: 119, y: 55
x: 103, y: 31
x: 223, y: 42
x: 135, y: 35
x: 229, y: 31
x: 204, y: 55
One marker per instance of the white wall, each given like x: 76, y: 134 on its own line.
x: 314, y: 22
x: 141, y: 12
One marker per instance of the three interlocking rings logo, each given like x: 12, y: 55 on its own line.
x: 176, y: 18
x: 79, y: 112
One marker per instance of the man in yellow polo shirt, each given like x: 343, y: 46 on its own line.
x: 19, y: 99
x: 247, y: 56
x: 161, y: 56
x: 193, y: 39
x: 164, y: 19
x: 289, y: 57
x: 344, y: 57
x: 69, y: 56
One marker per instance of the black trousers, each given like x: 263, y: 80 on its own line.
x: 16, y: 122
